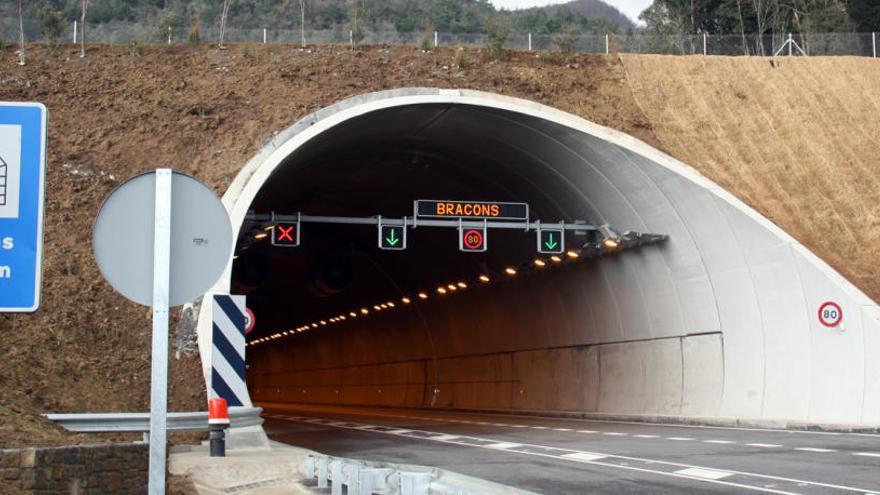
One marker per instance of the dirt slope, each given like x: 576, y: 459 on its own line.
x: 804, y: 159
x: 797, y: 139
x: 205, y: 112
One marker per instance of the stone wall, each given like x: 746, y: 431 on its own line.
x: 77, y: 469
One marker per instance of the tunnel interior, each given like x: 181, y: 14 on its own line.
x: 337, y: 302
x: 717, y: 320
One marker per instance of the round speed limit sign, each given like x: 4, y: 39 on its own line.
x: 830, y: 314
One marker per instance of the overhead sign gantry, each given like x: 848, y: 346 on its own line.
x: 473, y: 219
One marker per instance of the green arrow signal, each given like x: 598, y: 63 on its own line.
x: 392, y: 239
x: 550, y: 243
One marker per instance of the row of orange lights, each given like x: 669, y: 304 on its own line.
x: 442, y: 290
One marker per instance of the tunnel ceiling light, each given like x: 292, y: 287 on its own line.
x: 485, y: 279
x: 441, y: 290
x: 268, y: 228
x: 611, y: 243
x: 377, y: 307
x: 461, y: 285
x: 314, y: 325
x: 572, y: 254
x: 556, y: 259
x: 261, y: 235
x: 405, y: 300
x: 422, y: 295
x: 353, y: 314
x: 323, y: 322
x: 390, y: 304
x: 364, y: 311
x: 235, y: 257
x: 510, y: 271
x: 342, y: 317
x: 540, y: 263
x: 452, y: 287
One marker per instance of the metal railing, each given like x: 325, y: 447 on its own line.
x: 859, y: 44
x: 140, y: 422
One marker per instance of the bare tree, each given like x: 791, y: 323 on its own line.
x: 224, y: 13
x: 21, y: 60
x: 302, y: 22
x: 82, y: 28
x: 766, y: 12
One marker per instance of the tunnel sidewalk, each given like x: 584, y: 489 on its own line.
x: 272, y: 471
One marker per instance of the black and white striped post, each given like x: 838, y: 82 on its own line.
x: 227, y: 353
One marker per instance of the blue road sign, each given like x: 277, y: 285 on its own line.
x: 22, y: 174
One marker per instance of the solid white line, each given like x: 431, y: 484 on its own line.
x: 503, y: 445
x: 764, y: 445
x: 711, y: 474
x: 719, y: 441
x: 680, y: 439
x: 398, y: 432
x: 867, y: 454
x: 814, y: 449
x: 443, y: 438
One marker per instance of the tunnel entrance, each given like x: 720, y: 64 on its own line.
x: 714, y: 322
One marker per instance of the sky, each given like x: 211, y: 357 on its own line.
x: 632, y: 8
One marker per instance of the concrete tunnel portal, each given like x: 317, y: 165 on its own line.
x: 717, y: 322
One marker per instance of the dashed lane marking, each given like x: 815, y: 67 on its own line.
x: 867, y: 454
x: 646, y: 436
x: 725, y: 442
x: 764, y: 445
x: 583, y: 456
x: 711, y: 474
x: 561, y: 429
x: 503, y: 445
x: 680, y: 439
x: 814, y: 449
x: 587, y: 431
x: 614, y: 434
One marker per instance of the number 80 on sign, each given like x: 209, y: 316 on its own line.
x: 830, y: 314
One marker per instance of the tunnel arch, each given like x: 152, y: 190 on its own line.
x: 720, y: 322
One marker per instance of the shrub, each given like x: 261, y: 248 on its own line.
x: 51, y: 21
x: 460, y: 57
x: 195, y: 32
x: 497, y: 31
x: 169, y: 20
x: 566, y: 39
x: 427, y: 39
x: 136, y: 48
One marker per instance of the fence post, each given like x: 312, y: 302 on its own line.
x: 74, y: 32
x: 789, y: 44
x: 606, y: 44
x: 874, y: 43
x: 351, y: 38
x: 264, y: 36
x: 530, y: 41
x: 705, y: 36
x: 435, y: 39
x: 169, y: 35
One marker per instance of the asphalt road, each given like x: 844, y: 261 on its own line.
x: 562, y: 456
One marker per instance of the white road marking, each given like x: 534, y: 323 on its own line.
x: 540, y: 427
x: 719, y: 441
x: 710, y: 474
x: 680, y: 439
x: 583, y: 456
x: 646, y: 436
x: 399, y: 432
x: 503, y: 445
x: 586, y: 431
x: 614, y: 434
x: 573, y: 456
x: 814, y: 449
x: 764, y: 445
x: 867, y: 454
x: 518, y: 426
x: 561, y: 429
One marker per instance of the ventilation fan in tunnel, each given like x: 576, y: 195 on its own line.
x: 329, y: 275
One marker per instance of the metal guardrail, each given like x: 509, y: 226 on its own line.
x: 140, y: 422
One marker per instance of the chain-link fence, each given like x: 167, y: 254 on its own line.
x: 857, y: 44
